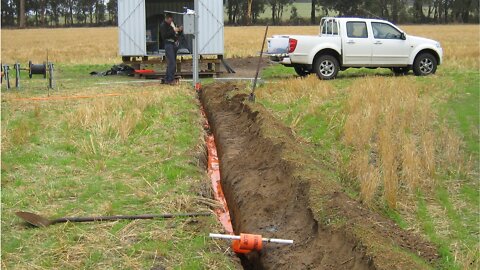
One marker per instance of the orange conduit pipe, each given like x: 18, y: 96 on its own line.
x: 77, y: 97
x: 213, y: 172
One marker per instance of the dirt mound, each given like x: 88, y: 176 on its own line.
x: 245, y: 67
x: 266, y: 194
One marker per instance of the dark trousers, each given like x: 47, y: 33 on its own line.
x: 171, y: 54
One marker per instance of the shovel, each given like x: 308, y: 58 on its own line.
x: 39, y: 221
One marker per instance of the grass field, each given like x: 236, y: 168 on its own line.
x: 406, y: 146
x: 130, y: 154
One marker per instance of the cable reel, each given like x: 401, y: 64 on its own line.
x: 46, y: 69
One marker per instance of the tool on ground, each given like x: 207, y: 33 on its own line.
x: 227, y: 66
x: 252, y: 94
x: 39, y: 221
x: 245, y: 243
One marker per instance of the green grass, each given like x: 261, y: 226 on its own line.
x: 54, y: 166
x: 455, y: 98
x: 462, y: 108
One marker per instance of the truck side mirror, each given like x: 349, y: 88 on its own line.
x: 403, y: 36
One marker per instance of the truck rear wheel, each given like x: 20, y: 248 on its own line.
x: 301, y: 70
x: 425, y: 64
x: 326, y: 66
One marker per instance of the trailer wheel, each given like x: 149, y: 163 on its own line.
x: 301, y: 70
x: 326, y: 66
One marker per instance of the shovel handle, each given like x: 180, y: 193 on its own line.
x: 128, y: 217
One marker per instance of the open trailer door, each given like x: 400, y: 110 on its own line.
x: 131, y: 27
x: 210, y: 16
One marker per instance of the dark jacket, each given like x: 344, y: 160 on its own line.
x: 167, y: 32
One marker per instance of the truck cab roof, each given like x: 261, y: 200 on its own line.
x: 354, y: 18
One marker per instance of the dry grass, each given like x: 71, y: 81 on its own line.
x: 246, y: 41
x: 114, y: 118
x: 394, y: 136
x: 307, y: 92
x: 100, y: 45
x: 66, y: 46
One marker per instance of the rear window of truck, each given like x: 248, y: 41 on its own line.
x: 357, y: 30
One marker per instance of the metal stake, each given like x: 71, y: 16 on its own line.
x: 195, y: 46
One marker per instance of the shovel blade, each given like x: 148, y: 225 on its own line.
x: 34, y: 219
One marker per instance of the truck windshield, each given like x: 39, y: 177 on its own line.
x: 329, y: 27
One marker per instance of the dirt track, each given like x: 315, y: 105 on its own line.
x: 266, y: 197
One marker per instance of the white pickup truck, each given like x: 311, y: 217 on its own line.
x: 354, y: 43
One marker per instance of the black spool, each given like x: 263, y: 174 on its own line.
x: 37, y: 69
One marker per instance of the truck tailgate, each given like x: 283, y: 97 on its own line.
x: 278, y: 44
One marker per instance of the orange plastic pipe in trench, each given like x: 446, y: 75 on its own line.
x: 213, y: 171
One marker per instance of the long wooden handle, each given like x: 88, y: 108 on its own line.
x: 259, y: 61
x: 128, y: 217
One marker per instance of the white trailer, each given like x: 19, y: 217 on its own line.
x: 139, y: 25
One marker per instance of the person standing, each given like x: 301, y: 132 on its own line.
x: 168, y: 31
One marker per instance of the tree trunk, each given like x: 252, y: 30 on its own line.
x: 273, y: 13
x: 230, y: 12
x: 312, y: 12
x: 71, y: 15
x: 249, y: 12
x: 395, y: 11
x: 22, y: 22
x: 445, y: 11
x: 42, y: 12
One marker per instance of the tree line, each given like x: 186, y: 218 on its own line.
x: 58, y: 13
x: 67, y: 13
x: 398, y: 11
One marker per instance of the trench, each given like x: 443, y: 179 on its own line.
x: 264, y: 196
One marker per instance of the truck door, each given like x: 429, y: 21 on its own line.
x: 356, y: 44
x: 389, y: 49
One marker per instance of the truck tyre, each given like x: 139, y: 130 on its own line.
x: 326, y: 66
x: 301, y: 70
x: 424, y: 64
x: 398, y: 71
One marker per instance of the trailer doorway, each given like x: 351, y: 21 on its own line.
x: 141, y: 43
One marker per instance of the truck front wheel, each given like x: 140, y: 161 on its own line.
x: 326, y: 66
x: 425, y: 64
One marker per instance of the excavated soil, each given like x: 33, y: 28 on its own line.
x: 267, y: 195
